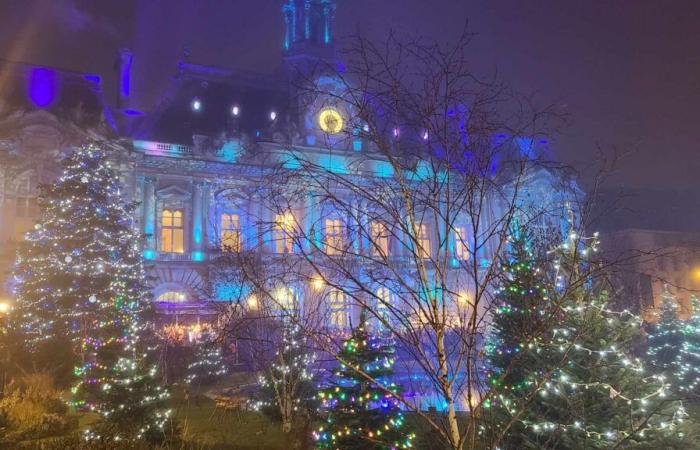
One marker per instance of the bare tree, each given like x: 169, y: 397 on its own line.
x: 411, y: 226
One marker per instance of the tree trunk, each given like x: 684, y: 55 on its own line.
x: 287, y: 413
x: 454, y: 435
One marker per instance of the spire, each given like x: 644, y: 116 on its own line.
x: 308, y: 27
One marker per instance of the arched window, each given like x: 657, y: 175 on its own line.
x: 172, y: 231
x: 338, y: 308
x: 230, y: 232
x: 172, y: 297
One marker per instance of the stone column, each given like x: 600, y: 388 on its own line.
x: 149, y: 216
x: 198, y: 193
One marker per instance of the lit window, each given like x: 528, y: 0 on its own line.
x: 284, y: 233
x: 380, y: 239
x: 461, y: 247
x: 172, y: 232
x: 230, y: 232
x: 172, y: 297
x: 383, y: 307
x: 285, y: 300
x: 334, y: 236
x: 423, y: 241
x: 338, y: 309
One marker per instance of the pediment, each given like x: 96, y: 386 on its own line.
x: 173, y: 192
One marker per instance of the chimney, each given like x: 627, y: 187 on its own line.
x: 126, y: 57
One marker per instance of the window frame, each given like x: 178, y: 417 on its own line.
x: 230, y: 233
x: 461, y: 250
x: 283, y: 233
x: 379, y: 238
x: 172, y: 230
x: 338, y: 308
x: 334, y: 242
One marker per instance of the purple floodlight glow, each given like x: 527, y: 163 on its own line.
x: 42, y: 86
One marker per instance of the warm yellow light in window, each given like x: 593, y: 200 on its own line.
x: 230, y: 233
x: 317, y: 283
x: 252, y: 301
x: 330, y: 121
x: 172, y: 238
x: 464, y: 298
x: 284, y: 233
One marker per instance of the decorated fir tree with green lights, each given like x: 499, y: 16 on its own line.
x: 520, y: 318
x: 673, y: 347
x: 359, y: 407
x: 286, y: 386
x: 687, y: 365
x: 666, y: 338
x: 521, y: 321
x: 81, y: 279
x: 208, y: 365
x: 583, y: 388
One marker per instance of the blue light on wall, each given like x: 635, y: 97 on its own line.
x: 383, y: 169
x: 197, y: 256
x: 227, y: 292
x: 230, y: 151
x: 149, y: 254
x: 357, y: 145
x: 291, y: 161
x: 334, y: 163
x: 42, y: 86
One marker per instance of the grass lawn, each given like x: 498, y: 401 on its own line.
x: 204, y: 425
x: 209, y: 428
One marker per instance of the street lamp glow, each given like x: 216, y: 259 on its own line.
x: 5, y: 307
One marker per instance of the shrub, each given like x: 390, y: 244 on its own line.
x: 33, y: 409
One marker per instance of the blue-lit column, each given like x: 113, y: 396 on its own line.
x: 307, y: 19
x: 355, y: 221
x: 198, y: 195
x: 364, y: 228
x: 149, y: 217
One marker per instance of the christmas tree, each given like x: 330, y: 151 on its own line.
x: 687, y: 364
x: 666, y: 339
x: 521, y: 321
x: 285, y: 385
x: 81, y: 278
x: 359, y: 406
x: 584, y: 389
x: 520, y: 318
x: 207, y: 365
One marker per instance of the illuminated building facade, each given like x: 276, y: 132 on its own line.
x: 194, y: 163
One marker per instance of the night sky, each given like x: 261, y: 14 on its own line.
x: 626, y: 71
